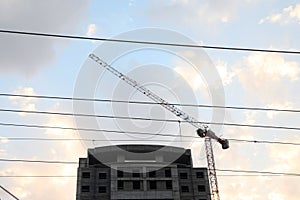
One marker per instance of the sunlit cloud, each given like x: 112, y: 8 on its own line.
x: 92, y: 28
x: 4, y: 139
x: 267, y: 77
x: 272, y: 114
x: 192, y: 77
x: 287, y: 15
x: 27, y: 103
x: 225, y: 73
x: 194, y: 12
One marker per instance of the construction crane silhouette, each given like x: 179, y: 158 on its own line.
x: 202, y: 129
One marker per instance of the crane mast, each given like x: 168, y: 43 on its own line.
x: 202, y: 129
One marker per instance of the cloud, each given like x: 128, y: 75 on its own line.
x: 225, y: 73
x: 287, y: 15
x: 192, y: 77
x: 91, y: 30
x: 193, y: 11
x: 35, y: 188
x: 26, y: 54
x: 285, y: 105
x: 269, y: 77
x: 3, y: 139
x: 197, y: 82
x: 27, y: 103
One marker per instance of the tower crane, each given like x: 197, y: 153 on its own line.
x: 202, y: 129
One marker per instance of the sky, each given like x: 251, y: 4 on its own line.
x: 32, y: 65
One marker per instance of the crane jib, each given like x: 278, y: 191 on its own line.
x: 202, y: 129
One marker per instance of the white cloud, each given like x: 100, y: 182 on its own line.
x: 193, y: 11
x: 3, y: 152
x: 91, y: 30
x: 61, y: 188
x: 131, y: 2
x: 268, y: 77
x: 272, y: 67
x: 64, y: 188
x: 26, y: 54
x: 225, y: 73
x: 3, y: 139
x: 27, y: 103
x: 204, y: 74
x: 192, y: 77
x: 272, y: 114
x: 287, y: 15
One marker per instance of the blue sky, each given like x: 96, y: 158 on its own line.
x: 51, y: 66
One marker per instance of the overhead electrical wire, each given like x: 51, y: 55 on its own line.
x: 87, y: 129
x: 264, y: 141
x: 153, y: 119
x: 147, y: 102
x: 38, y: 161
x: 144, y: 140
x: 76, y: 163
x: 258, y: 172
x: 73, y: 176
x: 64, y: 36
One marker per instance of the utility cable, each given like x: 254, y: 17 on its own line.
x: 76, y: 163
x: 147, y: 102
x: 64, y: 36
x: 258, y: 172
x: 153, y: 119
x: 89, y: 129
x: 73, y: 176
x: 144, y: 140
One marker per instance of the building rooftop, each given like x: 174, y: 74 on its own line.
x: 139, y: 153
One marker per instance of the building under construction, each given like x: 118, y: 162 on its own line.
x: 141, y: 172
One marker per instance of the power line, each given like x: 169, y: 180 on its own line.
x: 89, y: 140
x: 153, y: 119
x: 122, y: 132
x: 37, y: 176
x: 265, y: 142
x: 88, y: 129
x: 86, y: 115
x: 8, y: 192
x: 258, y: 172
x: 145, y: 42
x: 144, y: 140
x: 38, y: 161
x: 148, y: 103
x: 221, y: 170
x: 73, y: 176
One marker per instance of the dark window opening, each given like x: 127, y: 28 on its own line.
x: 120, y: 185
x: 136, y: 173
x: 102, y: 175
x: 120, y: 173
x: 169, y: 185
x: 153, y: 185
x: 136, y: 185
x: 184, y: 188
x: 86, y: 175
x: 152, y: 174
x: 102, y: 189
x: 168, y: 172
x: 183, y: 175
x: 85, y: 188
x: 201, y: 188
x: 200, y: 174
